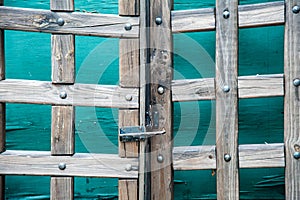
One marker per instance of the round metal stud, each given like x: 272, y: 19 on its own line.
x: 158, y: 20
x: 226, y: 88
x: 226, y: 14
x: 296, y: 82
x: 160, y: 158
x: 62, y: 166
x: 60, y: 21
x: 296, y: 9
x: 297, y: 155
x: 160, y: 90
x: 128, y: 97
x: 128, y: 167
x: 63, y: 95
x: 227, y: 157
x: 128, y: 27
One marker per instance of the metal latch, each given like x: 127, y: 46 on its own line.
x: 137, y: 133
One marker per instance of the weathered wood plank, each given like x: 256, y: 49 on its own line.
x: 248, y: 87
x: 292, y: 100
x: 41, y: 92
x: 250, y: 156
x: 62, y: 130
x: 128, y: 189
x: 62, y: 5
x: 60, y: 188
x: 63, y: 59
x: 129, y: 63
x: 129, y: 7
x: 227, y: 99
x: 80, y: 164
x: 253, y: 15
x: 36, y: 20
x: 161, y: 75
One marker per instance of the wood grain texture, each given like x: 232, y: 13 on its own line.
x: 227, y: 102
x: 63, y: 58
x: 129, y: 63
x: 250, y: 156
x: 42, y: 92
x: 36, y: 20
x: 62, y: 5
x: 128, y: 189
x: 161, y: 74
x: 129, y: 7
x: 62, y: 130
x: 80, y: 164
x: 62, y: 188
x: 292, y: 101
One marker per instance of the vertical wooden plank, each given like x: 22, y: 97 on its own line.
x: 2, y: 109
x: 128, y: 190
x: 129, y: 7
x: 161, y: 75
x: 292, y: 100
x: 227, y: 99
x: 129, y: 77
x: 63, y: 72
x: 63, y: 58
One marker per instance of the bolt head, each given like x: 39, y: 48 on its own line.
x: 60, y: 21
x: 62, y: 166
x: 226, y: 14
x: 227, y: 157
x: 297, y: 155
x: 128, y: 97
x: 63, y: 95
x: 226, y: 88
x: 160, y: 158
x: 296, y: 82
x: 128, y: 167
x: 158, y: 20
x: 160, y: 90
x: 296, y: 9
x: 128, y: 27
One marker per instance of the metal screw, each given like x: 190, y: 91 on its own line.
x: 226, y: 14
x: 128, y: 97
x: 297, y: 155
x: 296, y: 82
x: 160, y: 90
x: 227, y: 157
x: 226, y: 88
x: 160, y: 158
x: 63, y: 95
x: 128, y: 27
x: 60, y: 21
x: 158, y: 20
x: 128, y: 167
x: 296, y: 9
x: 62, y: 166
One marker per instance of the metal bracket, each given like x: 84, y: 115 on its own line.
x: 137, y: 133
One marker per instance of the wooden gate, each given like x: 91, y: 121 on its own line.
x: 145, y: 94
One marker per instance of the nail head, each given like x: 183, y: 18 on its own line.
x: 160, y: 90
x: 297, y: 155
x: 158, y: 20
x: 60, y: 21
x: 226, y: 88
x: 63, y: 95
x: 128, y: 97
x: 227, y: 157
x: 128, y: 27
x: 296, y: 9
x: 226, y: 14
x: 128, y: 167
x: 160, y: 158
x: 62, y: 166
x: 296, y: 82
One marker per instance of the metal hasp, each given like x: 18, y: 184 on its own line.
x: 137, y: 133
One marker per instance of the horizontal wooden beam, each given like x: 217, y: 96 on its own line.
x: 248, y: 87
x: 250, y: 156
x: 253, y: 15
x: 42, y: 92
x: 36, y: 20
x: 41, y: 163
